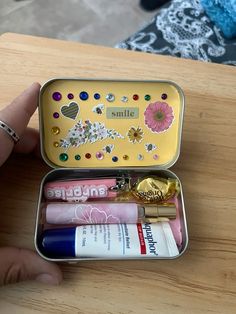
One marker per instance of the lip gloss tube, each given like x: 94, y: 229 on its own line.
x: 108, y: 213
x: 81, y: 190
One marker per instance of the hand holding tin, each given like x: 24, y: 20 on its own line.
x: 20, y: 264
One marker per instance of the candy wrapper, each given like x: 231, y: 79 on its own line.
x: 155, y: 189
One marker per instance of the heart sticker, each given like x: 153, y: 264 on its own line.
x: 70, y: 111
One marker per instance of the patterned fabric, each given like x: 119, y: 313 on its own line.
x: 182, y: 29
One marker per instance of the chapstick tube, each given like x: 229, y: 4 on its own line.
x: 107, y: 213
x: 113, y: 241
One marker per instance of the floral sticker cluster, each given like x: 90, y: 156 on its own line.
x: 88, y: 132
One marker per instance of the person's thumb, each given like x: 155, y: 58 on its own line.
x: 21, y: 264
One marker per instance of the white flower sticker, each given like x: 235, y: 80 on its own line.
x: 88, y: 132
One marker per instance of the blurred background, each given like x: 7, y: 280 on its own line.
x: 195, y: 29
x: 103, y: 22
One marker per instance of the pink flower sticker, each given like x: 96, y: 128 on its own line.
x: 93, y: 215
x: 158, y: 116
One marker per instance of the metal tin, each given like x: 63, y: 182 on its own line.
x: 128, y: 125
x: 61, y: 113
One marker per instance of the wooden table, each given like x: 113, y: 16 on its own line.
x: 204, y: 279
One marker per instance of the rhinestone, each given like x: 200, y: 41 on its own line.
x: 70, y: 96
x: 124, y: 99
x: 140, y: 157
x: 83, y: 95
x: 155, y: 157
x: 96, y: 96
x: 135, y: 97
x: 110, y: 97
x: 63, y: 157
x: 114, y: 159
x: 99, y: 155
x: 57, y: 96
x: 164, y: 96
x: 126, y: 157
x: 56, y: 115
x: 77, y: 157
x: 56, y: 144
x: 147, y: 97
x: 88, y: 155
x: 55, y: 130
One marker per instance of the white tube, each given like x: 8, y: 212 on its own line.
x: 125, y: 240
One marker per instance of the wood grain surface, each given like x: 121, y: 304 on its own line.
x: 203, y: 280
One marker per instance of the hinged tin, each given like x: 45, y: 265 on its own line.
x: 90, y: 128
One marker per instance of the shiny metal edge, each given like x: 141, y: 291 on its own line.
x: 181, y: 117
x: 76, y: 260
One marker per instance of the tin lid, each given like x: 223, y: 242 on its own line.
x: 87, y: 123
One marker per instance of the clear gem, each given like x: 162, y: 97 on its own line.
x: 140, y: 157
x: 124, y: 99
x: 110, y: 97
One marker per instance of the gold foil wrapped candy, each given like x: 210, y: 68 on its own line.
x: 154, y: 189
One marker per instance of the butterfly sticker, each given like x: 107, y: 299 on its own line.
x: 98, y: 109
x: 150, y: 147
x: 108, y: 148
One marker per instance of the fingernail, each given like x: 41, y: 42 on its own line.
x: 47, y: 279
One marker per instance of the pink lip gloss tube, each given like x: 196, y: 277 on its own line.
x: 108, y: 213
x: 81, y: 190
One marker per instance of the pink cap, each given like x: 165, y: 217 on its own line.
x: 175, y: 223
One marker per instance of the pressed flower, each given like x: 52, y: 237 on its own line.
x: 88, y: 133
x: 135, y: 134
x: 158, y: 116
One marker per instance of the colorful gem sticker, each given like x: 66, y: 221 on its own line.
x: 56, y: 115
x: 96, y: 96
x: 99, y: 155
x: 147, y: 97
x: 108, y: 148
x: 155, y: 157
x: 150, y: 147
x: 70, y: 111
x: 63, y: 157
x: 84, y: 95
x: 98, y: 109
x: 124, y: 98
x: 158, y: 116
x: 55, y: 130
x: 164, y: 96
x: 110, y: 97
x: 88, y: 132
x: 70, y: 96
x: 126, y: 157
x: 135, y: 97
x: 114, y: 158
x: 57, y: 96
x: 135, y: 135
x: 140, y: 157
